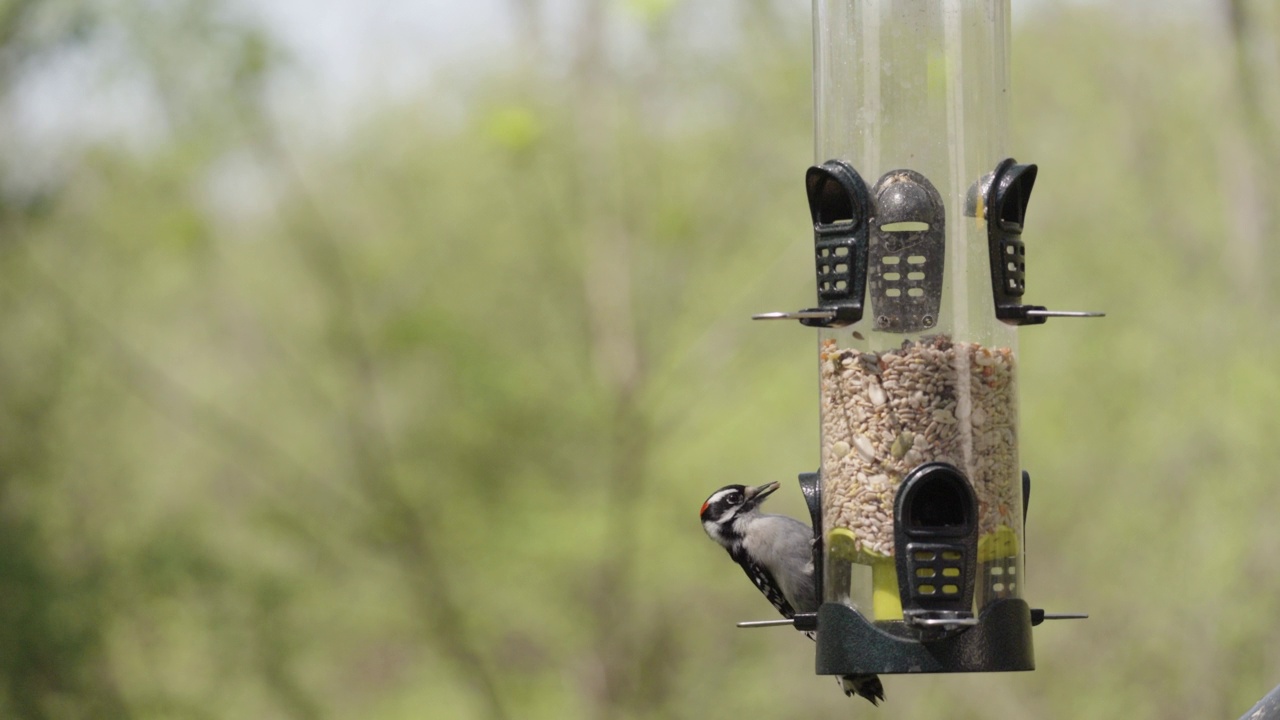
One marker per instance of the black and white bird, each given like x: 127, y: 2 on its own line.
x: 776, y: 552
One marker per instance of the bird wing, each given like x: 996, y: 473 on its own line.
x: 765, y: 583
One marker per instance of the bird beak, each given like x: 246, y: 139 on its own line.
x: 756, y: 495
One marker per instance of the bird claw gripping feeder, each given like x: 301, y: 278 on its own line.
x: 919, y: 506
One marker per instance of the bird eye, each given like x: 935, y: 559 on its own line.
x: 735, y: 498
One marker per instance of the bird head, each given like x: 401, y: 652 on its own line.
x: 728, y: 506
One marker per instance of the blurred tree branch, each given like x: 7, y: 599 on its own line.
x: 617, y: 356
x: 1253, y: 178
x: 53, y: 618
x: 397, y: 525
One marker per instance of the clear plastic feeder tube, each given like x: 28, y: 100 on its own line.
x: 914, y: 95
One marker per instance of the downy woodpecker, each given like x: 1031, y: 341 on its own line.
x: 776, y: 552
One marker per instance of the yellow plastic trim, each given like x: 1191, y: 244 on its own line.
x: 1002, y: 543
x: 886, y: 602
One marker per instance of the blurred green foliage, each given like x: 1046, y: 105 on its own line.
x: 415, y: 424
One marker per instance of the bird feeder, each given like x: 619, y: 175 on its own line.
x: 917, y: 213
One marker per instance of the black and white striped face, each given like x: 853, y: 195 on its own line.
x: 729, y: 503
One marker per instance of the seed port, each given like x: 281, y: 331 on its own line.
x: 892, y: 276
x: 950, y: 589
x: 1006, y: 195
x: 951, y: 572
x: 924, y: 555
x: 937, y: 502
x: 926, y: 589
x: 915, y: 276
x: 915, y: 292
x: 928, y: 572
x: 839, y: 207
x: 908, y: 228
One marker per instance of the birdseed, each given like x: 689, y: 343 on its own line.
x: 885, y: 413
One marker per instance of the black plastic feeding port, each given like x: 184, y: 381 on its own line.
x: 1007, y: 196
x: 1001, y: 197
x: 936, y: 547
x: 840, y: 208
x: 908, y: 250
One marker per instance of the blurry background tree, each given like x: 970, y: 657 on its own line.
x: 406, y: 412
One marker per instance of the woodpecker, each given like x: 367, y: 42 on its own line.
x: 776, y: 552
